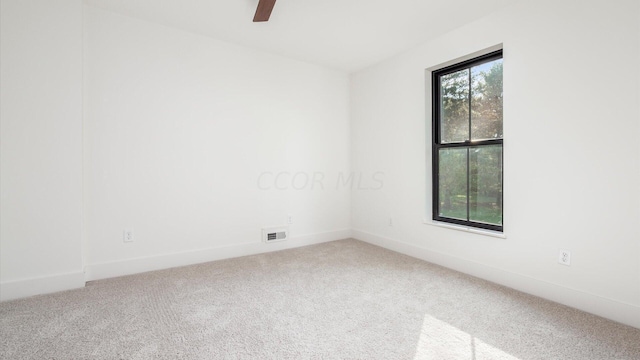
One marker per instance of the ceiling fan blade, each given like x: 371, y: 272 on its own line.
x: 263, y: 12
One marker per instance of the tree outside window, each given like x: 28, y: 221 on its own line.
x: 467, y: 143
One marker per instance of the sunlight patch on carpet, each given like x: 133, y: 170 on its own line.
x: 439, y: 340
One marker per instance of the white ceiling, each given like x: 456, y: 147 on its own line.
x: 343, y: 34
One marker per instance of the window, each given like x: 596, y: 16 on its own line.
x: 467, y: 143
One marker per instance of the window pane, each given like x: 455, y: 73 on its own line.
x: 486, y: 101
x: 454, y: 107
x: 452, y: 180
x: 485, y: 184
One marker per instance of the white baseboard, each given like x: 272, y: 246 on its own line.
x: 166, y: 261
x: 11, y: 290
x: 622, y: 312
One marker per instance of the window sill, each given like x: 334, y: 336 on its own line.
x: 465, y: 229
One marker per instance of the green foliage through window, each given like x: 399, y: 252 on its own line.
x: 467, y: 143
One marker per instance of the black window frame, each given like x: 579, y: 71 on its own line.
x: 437, y: 144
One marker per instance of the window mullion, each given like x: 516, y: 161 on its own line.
x: 469, y: 104
x: 468, y: 182
x: 468, y: 148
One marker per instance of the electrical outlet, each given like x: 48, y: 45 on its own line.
x: 289, y: 219
x: 565, y: 257
x: 128, y: 236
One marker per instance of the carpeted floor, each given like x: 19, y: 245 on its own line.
x: 339, y: 300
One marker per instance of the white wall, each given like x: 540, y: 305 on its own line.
x: 572, y: 159
x: 41, y: 151
x: 638, y: 102
x: 178, y: 129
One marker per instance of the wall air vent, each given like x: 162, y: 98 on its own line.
x: 274, y: 234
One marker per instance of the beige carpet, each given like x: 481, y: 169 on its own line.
x: 339, y: 300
